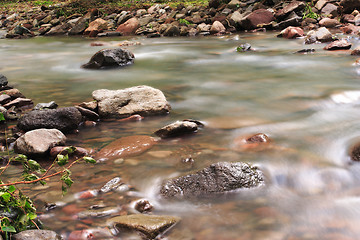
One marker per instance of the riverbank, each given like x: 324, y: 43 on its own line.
x: 216, y: 17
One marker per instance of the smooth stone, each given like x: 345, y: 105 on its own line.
x: 111, y: 185
x: 36, y: 234
x: 88, y: 114
x: 108, y: 58
x: 143, y: 205
x: 177, y: 129
x: 39, y: 141
x: 19, y: 102
x: 149, y: 225
x: 49, y: 105
x: 292, y: 32
x: 3, y: 80
x: 338, y: 45
x: 126, y: 146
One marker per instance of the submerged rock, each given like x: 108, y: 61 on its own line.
x: 65, y: 119
x: 143, y: 205
x: 176, y: 129
x: 126, y: 146
x: 39, y: 141
x: 143, y: 100
x: 108, y: 58
x: 36, y: 234
x: 149, y: 225
x: 217, y: 178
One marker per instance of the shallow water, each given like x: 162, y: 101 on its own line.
x: 307, y: 104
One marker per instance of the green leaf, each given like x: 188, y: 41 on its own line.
x: 34, y: 165
x: 68, y: 181
x: 8, y: 229
x: 70, y: 149
x: 12, y: 189
x: 2, y: 118
x: 64, y: 190
x: 31, y: 215
x: 21, y: 158
x: 62, y: 160
x: 6, y: 196
x: 89, y: 160
x: 30, y: 177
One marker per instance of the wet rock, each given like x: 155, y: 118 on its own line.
x: 217, y: 28
x: 89, y: 105
x: 79, y: 27
x: 356, y: 51
x: 132, y: 118
x: 330, y: 10
x: 143, y: 206
x: 13, y: 93
x: 172, y: 31
x: 3, y: 80
x: 143, y: 100
x: 258, y: 142
x: 149, y: 225
x: 177, y: 129
x: 126, y: 146
x: 218, y: 178
x: 355, y: 153
x: 36, y: 234
x: 244, y: 47
x: 39, y: 141
x: 291, y: 7
x: 109, y: 34
x: 88, y: 114
x: 129, y: 27
x: 4, y: 98
x: 97, y: 213
x: 305, y: 51
x: 350, y: 29
x: 294, y: 21
x: 257, y: 17
x: 97, y: 25
x: 292, y: 32
x: 321, y: 35
x: 348, y: 6
x: 111, y: 185
x: 329, y: 23
x: 49, y: 105
x: 110, y: 58
x: 65, y: 119
x: 19, y: 102
x: 79, y: 152
x: 338, y: 45
x: 96, y: 233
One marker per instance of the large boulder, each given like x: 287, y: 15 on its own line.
x: 65, y: 119
x: 143, y: 100
x: 217, y: 27
x: 108, y: 58
x: 97, y: 25
x: 292, y: 32
x: 129, y: 27
x: 338, y: 45
x: 39, y: 141
x: 36, y: 234
x: 257, y: 17
x: 321, y: 35
x: 149, y: 225
x: 216, y: 179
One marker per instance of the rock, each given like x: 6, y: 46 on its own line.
x: 110, y: 58
x: 215, y: 3
x: 49, y: 105
x: 149, y: 225
x: 320, y: 4
x: 338, y: 45
x: 79, y: 27
x: 259, y: 141
x: 143, y: 100
x: 291, y: 7
x: 235, y: 4
x: 19, y: 102
x: 94, y: 233
x: 350, y: 29
x: 111, y: 185
x: 4, y: 98
x: 321, y: 35
x: 348, y: 6
x: 203, y: 27
x: 177, y: 129
x: 129, y: 27
x: 236, y: 19
x: 257, y: 17
x: 217, y: 27
x: 356, y: 51
x: 89, y: 105
x: 244, y: 47
x: 97, y: 25
x: 143, y: 206
x: 292, y: 32
x: 88, y: 114
x: 36, y: 234
x: 172, y: 31
x: 79, y: 152
x: 65, y: 119
x: 39, y: 141
x: 295, y: 21
x: 59, y: 29
x: 126, y: 146
x: 330, y: 10
x: 355, y: 153
x: 3, y: 80
x: 218, y: 178
x: 329, y: 23
x: 13, y: 93
x: 306, y: 51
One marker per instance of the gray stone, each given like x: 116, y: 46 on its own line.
x: 89, y: 114
x: 3, y: 80
x: 110, y: 58
x: 320, y: 4
x: 143, y: 100
x: 321, y: 35
x: 39, y: 141
x: 59, y: 29
x: 149, y: 225
x: 4, y: 98
x: 218, y: 178
x: 19, y: 102
x: 79, y: 26
x: 172, y: 31
x: 330, y: 10
x: 37, y: 234
x: 65, y: 119
x: 49, y: 105
x: 176, y: 129
x: 235, y: 4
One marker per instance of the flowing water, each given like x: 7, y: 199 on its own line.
x: 307, y: 104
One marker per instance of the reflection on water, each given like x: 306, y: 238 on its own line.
x: 308, y: 104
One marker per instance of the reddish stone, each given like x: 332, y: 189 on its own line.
x: 27, y: 25
x: 292, y: 32
x: 257, y: 17
x: 338, y: 45
x: 293, y: 6
x: 129, y: 27
x: 329, y: 23
x: 135, y: 117
x: 169, y: 20
x: 258, y: 141
x: 93, y: 33
x: 350, y: 29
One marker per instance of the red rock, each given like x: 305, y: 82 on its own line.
x: 338, y: 45
x: 135, y: 117
x: 126, y: 146
x: 129, y: 27
x: 292, y: 32
x: 87, y: 194
x: 350, y: 29
x: 329, y: 23
x: 293, y: 6
x: 97, y: 25
x: 356, y: 51
x: 260, y: 16
x: 258, y: 141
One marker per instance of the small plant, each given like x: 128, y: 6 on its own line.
x: 17, y: 211
x: 43, y: 3
x: 184, y: 21
x: 309, y: 13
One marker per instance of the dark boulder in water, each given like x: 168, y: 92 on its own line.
x: 216, y: 179
x: 109, y: 58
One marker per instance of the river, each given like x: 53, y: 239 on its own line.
x: 308, y: 104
